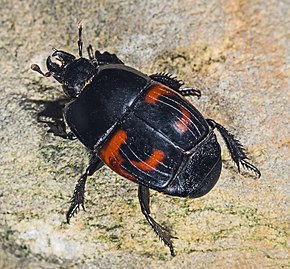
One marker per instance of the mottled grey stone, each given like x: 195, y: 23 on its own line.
x: 236, y: 52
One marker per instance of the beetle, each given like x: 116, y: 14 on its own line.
x: 140, y: 126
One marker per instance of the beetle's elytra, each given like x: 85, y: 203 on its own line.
x: 141, y: 127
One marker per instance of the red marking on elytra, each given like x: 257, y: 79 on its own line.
x: 152, y: 162
x: 155, y: 92
x: 182, y: 124
x: 111, y: 155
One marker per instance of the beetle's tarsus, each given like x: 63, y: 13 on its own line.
x: 235, y: 148
x: 162, y: 233
x: 78, y: 197
x: 190, y: 91
x: 249, y: 166
x: 70, y: 214
x: 164, y: 236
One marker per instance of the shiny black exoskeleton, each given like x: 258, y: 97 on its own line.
x: 141, y: 127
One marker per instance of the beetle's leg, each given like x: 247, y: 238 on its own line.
x: 175, y: 84
x: 58, y: 128
x: 189, y: 92
x: 91, y: 53
x: 78, y: 197
x: 165, y: 236
x: 235, y: 148
x: 52, y: 116
x: 80, y: 42
x: 167, y: 80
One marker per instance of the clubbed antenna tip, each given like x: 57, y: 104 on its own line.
x: 36, y: 68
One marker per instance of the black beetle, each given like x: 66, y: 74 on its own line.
x: 141, y: 127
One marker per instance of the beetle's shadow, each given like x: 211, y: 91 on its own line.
x: 47, y: 111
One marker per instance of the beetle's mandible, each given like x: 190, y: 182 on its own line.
x: 141, y: 127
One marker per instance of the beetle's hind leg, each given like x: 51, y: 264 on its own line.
x: 235, y: 147
x: 78, y: 197
x: 165, y: 236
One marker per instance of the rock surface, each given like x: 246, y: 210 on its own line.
x: 236, y: 52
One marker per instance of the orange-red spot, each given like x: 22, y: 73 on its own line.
x: 182, y: 124
x: 152, y: 162
x: 155, y: 92
x: 111, y: 155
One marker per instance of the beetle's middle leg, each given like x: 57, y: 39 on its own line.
x: 175, y: 84
x: 165, y: 236
x: 78, y: 197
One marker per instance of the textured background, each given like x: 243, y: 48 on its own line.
x: 236, y: 52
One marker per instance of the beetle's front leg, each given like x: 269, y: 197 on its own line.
x: 165, y: 236
x: 58, y: 128
x: 78, y: 197
x: 52, y: 116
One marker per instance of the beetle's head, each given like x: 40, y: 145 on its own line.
x: 72, y: 73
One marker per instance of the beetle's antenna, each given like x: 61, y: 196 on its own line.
x: 80, y: 42
x: 36, y: 68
